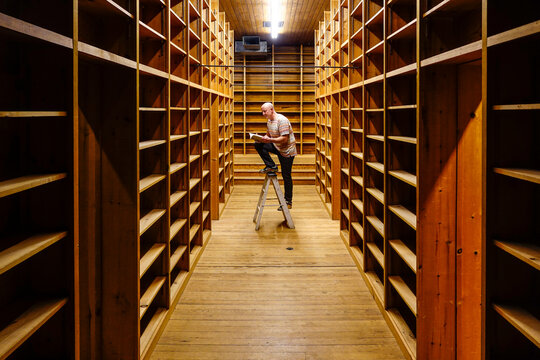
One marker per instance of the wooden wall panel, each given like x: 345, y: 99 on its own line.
x: 469, y: 213
x: 436, y: 285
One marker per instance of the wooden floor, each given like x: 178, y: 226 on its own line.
x: 252, y: 298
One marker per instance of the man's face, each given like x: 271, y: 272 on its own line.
x: 266, y: 111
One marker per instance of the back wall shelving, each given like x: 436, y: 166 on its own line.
x: 285, y: 77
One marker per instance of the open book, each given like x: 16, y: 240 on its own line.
x: 255, y: 137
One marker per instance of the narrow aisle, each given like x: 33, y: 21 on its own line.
x: 252, y: 298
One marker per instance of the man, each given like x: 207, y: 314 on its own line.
x: 279, y: 139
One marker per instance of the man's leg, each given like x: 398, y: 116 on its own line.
x: 264, y: 149
x: 286, y: 167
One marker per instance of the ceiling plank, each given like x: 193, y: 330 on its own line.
x: 301, y: 19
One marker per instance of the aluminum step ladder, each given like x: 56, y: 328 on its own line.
x: 271, y: 177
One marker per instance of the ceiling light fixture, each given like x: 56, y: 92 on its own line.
x: 276, y: 15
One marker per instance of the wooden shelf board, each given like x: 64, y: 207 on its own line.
x: 26, y: 248
x: 346, y: 213
x: 19, y: 330
x: 376, y: 165
x: 181, y: 81
x: 450, y: 6
x: 359, y: 204
x: 403, y: 290
x: 405, y: 70
x: 150, y: 294
x: 152, y: 330
x: 404, y: 253
x: 358, y: 179
x: 176, y: 256
x: 377, y: 224
x: 150, y: 257
x: 462, y: 54
x: 529, y: 175
x: 404, y: 214
x: 408, y: 31
x: 149, y: 181
x: 177, y: 196
x: 528, y: 253
x: 358, y: 155
x: 150, y: 143
x: 34, y: 31
x: 178, y: 284
x: 149, y: 219
x: 517, y: 107
x: 403, y: 331
x: 357, y: 11
x: 194, y: 36
x: 376, y: 49
x: 358, y: 228
x: 402, y: 107
x: 377, y: 194
x: 152, y: 109
x: 514, y: 34
x: 193, y: 207
x: 376, y: 285
x: 376, y: 137
x: 177, y: 137
x: 23, y: 183
x: 522, y: 320
x: 404, y: 176
x: 377, y: 254
x: 176, y: 227
x: 373, y: 80
x: 175, y: 49
x: 176, y: 167
x: 147, y: 33
x: 194, y: 12
x: 29, y: 114
x: 148, y: 70
x: 193, y: 182
x: 176, y: 20
x: 193, y: 231
x: 405, y: 139
x: 104, y: 7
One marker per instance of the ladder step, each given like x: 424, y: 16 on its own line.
x: 262, y: 200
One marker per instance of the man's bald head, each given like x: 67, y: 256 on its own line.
x: 268, y: 110
x: 267, y: 106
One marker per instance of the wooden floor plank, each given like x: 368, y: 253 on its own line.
x: 252, y: 298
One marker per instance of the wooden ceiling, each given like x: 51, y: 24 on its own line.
x: 301, y: 19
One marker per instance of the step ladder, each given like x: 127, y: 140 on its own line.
x: 272, y: 177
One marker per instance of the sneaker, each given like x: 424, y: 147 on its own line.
x: 289, y: 205
x: 268, y: 170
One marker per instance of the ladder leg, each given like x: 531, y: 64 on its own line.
x: 262, y: 201
x: 283, y: 203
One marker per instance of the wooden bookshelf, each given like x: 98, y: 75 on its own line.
x: 411, y: 136
x: 512, y: 169
x: 39, y: 230
x: 108, y: 141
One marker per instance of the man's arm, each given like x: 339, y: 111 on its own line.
x: 278, y: 140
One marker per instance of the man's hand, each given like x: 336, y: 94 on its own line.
x: 266, y: 139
